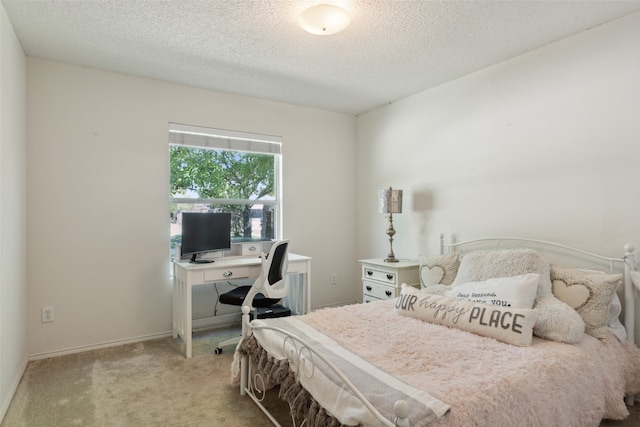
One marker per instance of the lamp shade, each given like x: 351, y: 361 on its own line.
x: 390, y: 201
x: 324, y: 19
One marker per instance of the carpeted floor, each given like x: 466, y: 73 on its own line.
x: 143, y: 384
x: 148, y: 384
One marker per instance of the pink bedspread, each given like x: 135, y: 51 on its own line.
x: 486, y: 382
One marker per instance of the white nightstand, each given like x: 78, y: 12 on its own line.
x: 381, y: 280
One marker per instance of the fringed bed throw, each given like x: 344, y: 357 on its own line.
x: 278, y: 372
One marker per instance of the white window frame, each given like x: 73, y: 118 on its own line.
x: 223, y: 139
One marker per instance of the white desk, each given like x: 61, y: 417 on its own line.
x: 186, y: 275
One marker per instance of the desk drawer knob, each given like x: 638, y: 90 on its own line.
x: 388, y: 293
x: 369, y: 272
x: 227, y: 273
x: 389, y: 276
x: 368, y: 288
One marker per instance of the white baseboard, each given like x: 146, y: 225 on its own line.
x: 198, y: 324
x: 98, y: 346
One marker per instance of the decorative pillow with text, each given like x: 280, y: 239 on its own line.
x: 514, y: 292
x: 509, y: 325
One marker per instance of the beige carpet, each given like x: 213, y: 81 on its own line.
x: 147, y: 384
x: 144, y: 384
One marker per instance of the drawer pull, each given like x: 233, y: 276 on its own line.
x: 227, y: 273
x: 369, y: 272
x: 253, y: 249
x: 388, y: 293
x: 390, y: 276
x: 368, y: 288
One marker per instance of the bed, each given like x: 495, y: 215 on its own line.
x: 502, y: 331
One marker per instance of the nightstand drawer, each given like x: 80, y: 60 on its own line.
x: 379, y: 291
x: 380, y: 275
x: 367, y: 299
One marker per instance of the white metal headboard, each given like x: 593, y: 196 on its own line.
x: 627, y: 263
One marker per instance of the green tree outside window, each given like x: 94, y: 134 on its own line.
x: 228, y: 181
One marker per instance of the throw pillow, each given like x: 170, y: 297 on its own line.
x: 516, y: 292
x: 438, y: 270
x: 556, y: 321
x: 613, y: 318
x: 509, y: 325
x: 589, y: 293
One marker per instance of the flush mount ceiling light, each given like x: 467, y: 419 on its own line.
x: 324, y: 19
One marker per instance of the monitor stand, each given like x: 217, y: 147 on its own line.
x: 200, y: 261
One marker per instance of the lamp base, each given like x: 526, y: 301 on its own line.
x: 391, y: 257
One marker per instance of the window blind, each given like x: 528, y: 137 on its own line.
x: 222, y: 139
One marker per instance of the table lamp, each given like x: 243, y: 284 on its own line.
x: 390, y: 202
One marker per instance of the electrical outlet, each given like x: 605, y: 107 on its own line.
x: 47, y: 314
x: 333, y: 279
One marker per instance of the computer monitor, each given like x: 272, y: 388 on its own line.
x: 205, y: 232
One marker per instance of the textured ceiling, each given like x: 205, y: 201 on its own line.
x: 392, y: 49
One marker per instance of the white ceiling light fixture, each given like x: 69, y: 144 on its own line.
x: 324, y: 19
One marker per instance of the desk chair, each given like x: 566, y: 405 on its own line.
x: 268, y: 289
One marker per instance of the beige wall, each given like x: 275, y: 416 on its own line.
x: 13, y: 205
x: 546, y: 145
x: 98, y: 198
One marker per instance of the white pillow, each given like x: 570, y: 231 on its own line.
x: 613, y: 319
x: 509, y: 325
x: 635, y: 278
x: 515, y: 292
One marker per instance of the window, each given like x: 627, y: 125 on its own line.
x: 214, y: 170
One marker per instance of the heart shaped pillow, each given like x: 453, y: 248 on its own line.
x: 576, y: 295
x: 438, y: 270
x: 432, y: 275
x: 590, y: 293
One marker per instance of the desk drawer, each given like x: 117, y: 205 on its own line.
x: 232, y: 273
x: 253, y: 248
x: 378, y: 291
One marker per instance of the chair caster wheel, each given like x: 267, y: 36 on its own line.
x: 218, y: 350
